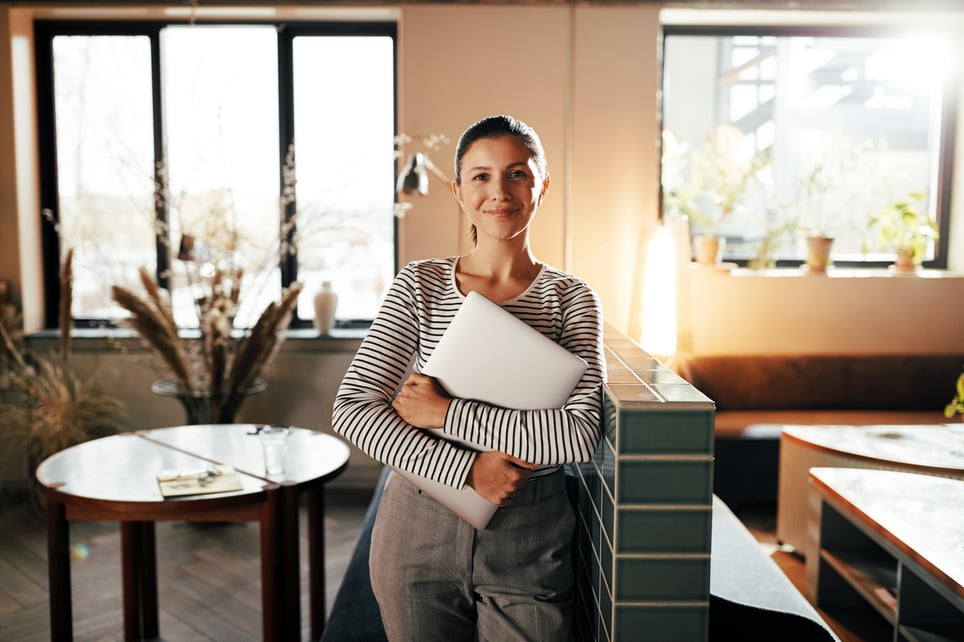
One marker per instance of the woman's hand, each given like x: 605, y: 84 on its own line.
x: 422, y: 402
x: 497, y: 476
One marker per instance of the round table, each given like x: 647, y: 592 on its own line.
x: 115, y: 479
x: 936, y: 449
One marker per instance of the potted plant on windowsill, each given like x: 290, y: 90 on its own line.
x: 828, y: 185
x: 720, y: 176
x: 905, y: 228
x: 815, y: 218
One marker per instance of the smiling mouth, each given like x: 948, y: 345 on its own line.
x: 501, y: 213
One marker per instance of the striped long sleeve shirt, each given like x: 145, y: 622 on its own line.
x: 417, y: 309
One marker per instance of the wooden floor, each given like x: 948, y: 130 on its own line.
x: 209, y: 577
x: 761, y: 520
x: 208, y: 574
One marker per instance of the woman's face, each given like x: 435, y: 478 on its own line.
x: 501, y: 188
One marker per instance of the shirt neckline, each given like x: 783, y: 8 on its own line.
x: 453, y: 261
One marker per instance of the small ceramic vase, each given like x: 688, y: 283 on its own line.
x: 326, y: 301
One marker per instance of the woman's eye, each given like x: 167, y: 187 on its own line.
x: 480, y: 177
x: 518, y: 175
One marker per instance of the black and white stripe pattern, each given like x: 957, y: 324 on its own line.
x: 417, y: 309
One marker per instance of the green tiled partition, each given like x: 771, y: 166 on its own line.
x: 645, y: 507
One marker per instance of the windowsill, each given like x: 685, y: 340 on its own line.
x: 124, y: 339
x: 732, y: 269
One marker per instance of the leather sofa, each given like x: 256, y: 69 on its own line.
x: 756, y: 395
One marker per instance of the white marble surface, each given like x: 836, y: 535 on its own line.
x: 923, y: 513
x: 935, y: 446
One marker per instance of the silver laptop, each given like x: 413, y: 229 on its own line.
x: 489, y: 355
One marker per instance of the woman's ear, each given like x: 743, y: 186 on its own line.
x: 457, y: 192
x: 545, y: 188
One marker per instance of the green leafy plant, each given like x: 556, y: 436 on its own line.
x: 956, y: 406
x: 776, y: 231
x: 832, y: 179
x: 904, y: 227
x: 712, y: 183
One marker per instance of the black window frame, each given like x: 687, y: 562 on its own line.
x: 949, y: 113
x: 44, y: 33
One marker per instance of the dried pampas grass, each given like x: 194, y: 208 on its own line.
x: 154, y: 323
x: 56, y: 410
x: 225, y: 368
x: 51, y: 407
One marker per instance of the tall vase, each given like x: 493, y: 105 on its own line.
x: 205, y: 407
x: 326, y: 302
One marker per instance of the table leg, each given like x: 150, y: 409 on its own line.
x: 139, y: 564
x: 58, y: 572
x: 148, y: 585
x: 133, y: 548
x: 291, y: 561
x: 272, y: 576
x: 315, y: 500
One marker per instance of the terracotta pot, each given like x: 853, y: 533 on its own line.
x: 905, y: 261
x: 818, y: 253
x: 708, y: 249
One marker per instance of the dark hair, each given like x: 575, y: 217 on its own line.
x: 494, y: 127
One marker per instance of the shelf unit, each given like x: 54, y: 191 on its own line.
x: 869, y: 579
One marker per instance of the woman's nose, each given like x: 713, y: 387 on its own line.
x: 499, y: 189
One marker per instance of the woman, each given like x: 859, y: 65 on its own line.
x: 435, y: 577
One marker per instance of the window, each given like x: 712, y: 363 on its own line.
x: 770, y: 135
x: 264, y: 148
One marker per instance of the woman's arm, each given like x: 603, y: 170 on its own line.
x: 362, y: 410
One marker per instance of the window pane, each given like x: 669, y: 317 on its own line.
x: 344, y: 124
x: 220, y: 87
x: 219, y: 175
x: 833, y: 129
x: 105, y: 163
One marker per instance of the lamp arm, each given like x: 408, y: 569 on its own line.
x: 435, y: 170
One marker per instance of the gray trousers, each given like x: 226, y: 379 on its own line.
x: 437, y: 578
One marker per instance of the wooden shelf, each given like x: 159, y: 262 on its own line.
x: 914, y: 634
x: 862, y: 623
x: 864, y: 566
x: 874, y: 580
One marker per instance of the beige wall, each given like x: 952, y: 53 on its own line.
x: 615, y: 169
x: 454, y: 69
x: 19, y: 203
x: 593, y: 106
x: 586, y: 77
x: 749, y: 313
x: 8, y: 228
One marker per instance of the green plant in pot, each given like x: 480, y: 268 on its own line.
x: 905, y: 228
x: 832, y: 177
x: 709, y: 185
x: 777, y: 230
x: 956, y: 406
